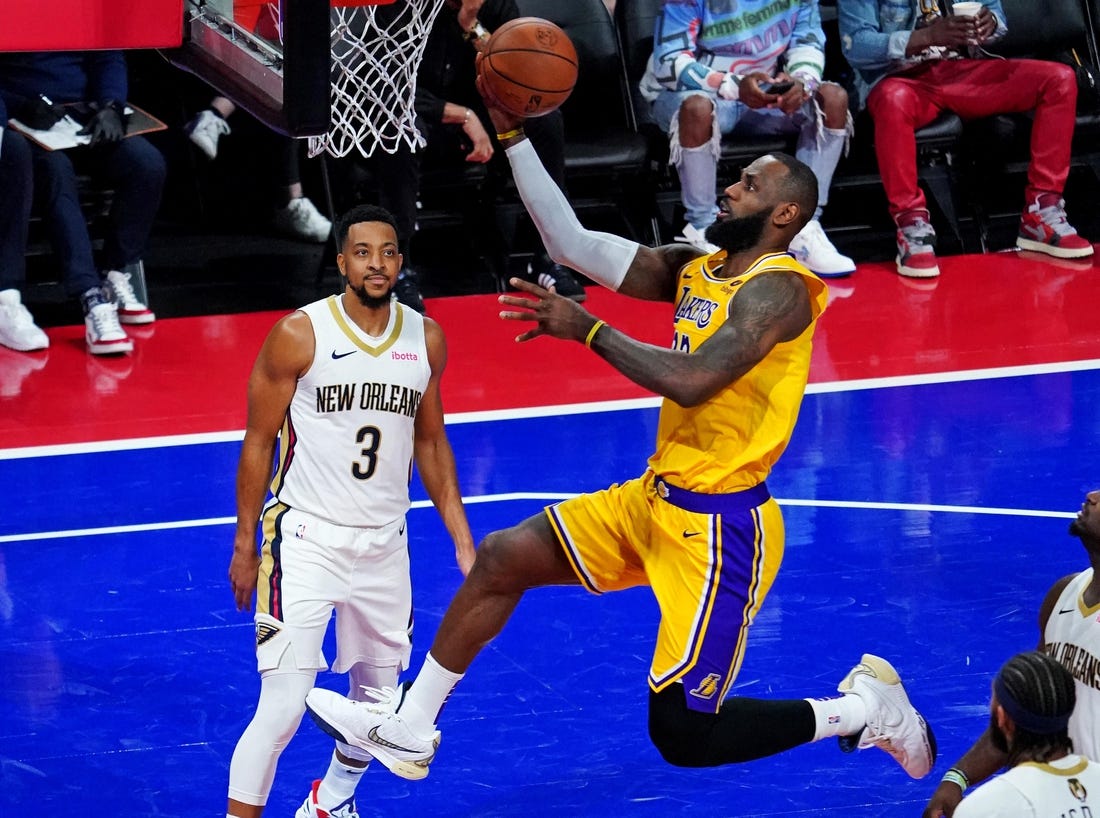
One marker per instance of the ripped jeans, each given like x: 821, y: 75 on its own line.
x: 818, y: 146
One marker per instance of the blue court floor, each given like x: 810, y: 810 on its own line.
x: 925, y: 519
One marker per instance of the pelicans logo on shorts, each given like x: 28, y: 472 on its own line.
x: 708, y: 687
x: 265, y: 632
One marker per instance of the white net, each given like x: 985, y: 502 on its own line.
x: 376, y: 51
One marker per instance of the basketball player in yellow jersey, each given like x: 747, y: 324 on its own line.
x: 699, y: 526
x: 347, y: 388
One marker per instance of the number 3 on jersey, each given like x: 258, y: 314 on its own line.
x: 364, y: 469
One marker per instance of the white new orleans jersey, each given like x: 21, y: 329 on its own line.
x: 1066, y: 788
x: 1072, y: 636
x: 346, y: 447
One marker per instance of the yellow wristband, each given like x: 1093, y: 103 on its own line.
x: 592, y: 333
x: 512, y: 134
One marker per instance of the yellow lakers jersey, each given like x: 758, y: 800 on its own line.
x: 731, y: 441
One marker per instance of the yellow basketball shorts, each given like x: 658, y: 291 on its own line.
x: 709, y: 558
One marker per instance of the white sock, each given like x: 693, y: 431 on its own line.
x: 339, y: 783
x: 427, y: 696
x: 839, y: 716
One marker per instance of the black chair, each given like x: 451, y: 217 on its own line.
x: 606, y: 159
x: 1057, y: 30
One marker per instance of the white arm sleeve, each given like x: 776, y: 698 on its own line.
x: 602, y: 257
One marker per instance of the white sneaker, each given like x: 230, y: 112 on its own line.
x: 893, y: 724
x: 130, y: 310
x: 302, y: 220
x: 17, y: 328
x: 205, y: 130
x: 375, y: 727
x: 695, y: 237
x: 309, y: 808
x: 103, y: 333
x: 813, y: 250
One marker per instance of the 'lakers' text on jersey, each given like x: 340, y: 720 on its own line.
x: 731, y: 441
x: 355, y: 406
x: 1072, y: 636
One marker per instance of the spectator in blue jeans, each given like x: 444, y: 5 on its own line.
x: 33, y: 86
x: 17, y: 328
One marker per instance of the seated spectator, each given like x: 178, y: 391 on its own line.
x: 712, y: 65
x: 452, y: 117
x: 912, y: 62
x: 1033, y: 699
x: 296, y: 216
x: 33, y: 86
x: 17, y: 328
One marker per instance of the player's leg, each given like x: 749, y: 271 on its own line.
x: 728, y: 571
x: 292, y: 614
x: 334, y: 794
x: 542, y: 550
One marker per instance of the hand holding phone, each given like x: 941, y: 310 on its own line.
x: 778, y: 88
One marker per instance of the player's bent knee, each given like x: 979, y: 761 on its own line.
x: 679, y: 734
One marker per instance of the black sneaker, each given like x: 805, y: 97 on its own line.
x: 408, y: 292
x: 551, y: 276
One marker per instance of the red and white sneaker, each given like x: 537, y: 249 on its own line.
x: 103, y: 333
x: 1046, y: 230
x: 309, y: 808
x: 130, y: 310
x: 917, y: 250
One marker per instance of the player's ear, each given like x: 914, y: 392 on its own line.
x: 785, y: 213
x: 340, y: 265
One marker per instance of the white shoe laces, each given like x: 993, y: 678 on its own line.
x: 105, y: 320
x: 124, y: 291
x: 1054, y: 216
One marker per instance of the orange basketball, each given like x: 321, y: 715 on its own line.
x: 529, y: 65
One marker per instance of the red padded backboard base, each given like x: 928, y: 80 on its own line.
x: 78, y: 25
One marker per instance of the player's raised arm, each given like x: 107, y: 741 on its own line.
x: 613, y: 261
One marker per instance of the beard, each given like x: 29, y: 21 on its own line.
x: 738, y: 233
x: 369, y: 301
x: 997, y: 735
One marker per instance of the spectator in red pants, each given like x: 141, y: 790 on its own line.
x: 911, y: 65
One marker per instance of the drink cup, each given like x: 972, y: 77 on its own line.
x: 966, y: 9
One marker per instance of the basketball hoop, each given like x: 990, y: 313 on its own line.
x: 376, y: 49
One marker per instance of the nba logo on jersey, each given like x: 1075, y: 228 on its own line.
x: 708, y: 687
x: 300, y: 533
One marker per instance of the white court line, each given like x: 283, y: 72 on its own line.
x: 544, y: 496
x: 564, y: 409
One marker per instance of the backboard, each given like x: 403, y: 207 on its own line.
x: 270, y: 58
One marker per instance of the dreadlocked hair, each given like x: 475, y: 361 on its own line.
x: 1041, y: 686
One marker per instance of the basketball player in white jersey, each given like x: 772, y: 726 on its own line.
x: 347, y: 389
x: 1069, y: 630
x: 1033, y: 697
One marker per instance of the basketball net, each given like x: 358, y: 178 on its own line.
x: 376, y: 51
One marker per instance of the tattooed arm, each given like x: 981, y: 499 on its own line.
x: 770, y: 308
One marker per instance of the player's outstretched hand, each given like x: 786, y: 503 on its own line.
x: 503, y: 121
x: 555, y: 315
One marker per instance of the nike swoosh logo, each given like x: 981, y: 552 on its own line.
x: 1069, y: 610
x: 1036, y: 232
x: 336, y: 357
x: 691, y: 534
x: 381, y: 742
x: 401, y: 530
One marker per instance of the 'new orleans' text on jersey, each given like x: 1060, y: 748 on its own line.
x: 378, y: 397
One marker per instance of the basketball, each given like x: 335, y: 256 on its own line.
x: 529, y: 65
